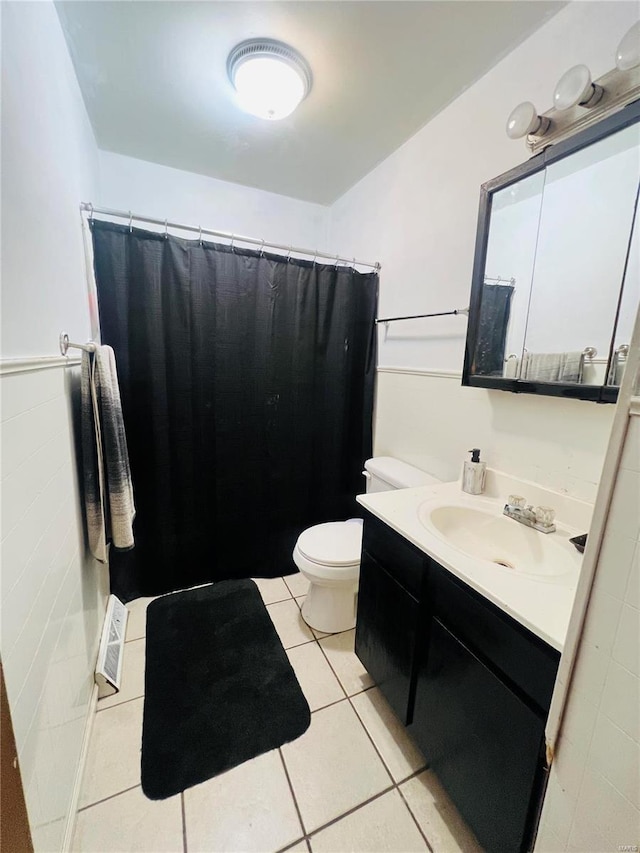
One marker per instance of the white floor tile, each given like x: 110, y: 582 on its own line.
x: 130, y: 822
x: 291, y: 628
x: 438, y: 817
x: 113, y: 758
x: 333, y: 766
x: 272, y: 589
x: 382, y: 826
x: 132, y: 684
x: 297, y: 584
x: 397, y: 749
x: 137, y: 621
x: 249, y: 808
x: 318, y: 683
x: 339, y: 650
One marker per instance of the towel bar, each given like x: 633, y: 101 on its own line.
x: 65, y: 343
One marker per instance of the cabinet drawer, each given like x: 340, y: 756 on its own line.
x: 404, y: 562
x: 387, y: 634
x: 524, y: 659
x: 482, y: 742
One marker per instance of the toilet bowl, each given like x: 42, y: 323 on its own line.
x: 328, y: 554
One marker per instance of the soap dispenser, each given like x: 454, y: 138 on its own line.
x: 473, y: 474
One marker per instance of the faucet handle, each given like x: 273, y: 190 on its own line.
x: 517, y: 501
x: 545, y: 515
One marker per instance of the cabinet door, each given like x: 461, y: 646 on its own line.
x: 484, y: 744
x: 386, y: 632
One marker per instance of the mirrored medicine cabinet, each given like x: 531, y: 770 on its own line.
x: 556, y: 279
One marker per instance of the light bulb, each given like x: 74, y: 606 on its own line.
x: 524, y: 119
x: 628, y: 52
x: 575, y: 87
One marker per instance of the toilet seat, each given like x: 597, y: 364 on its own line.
x: 336, y: 543
x: 330, y: 553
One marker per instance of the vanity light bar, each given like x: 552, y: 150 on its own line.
x: 579, y: 101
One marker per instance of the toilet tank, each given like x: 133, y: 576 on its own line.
x: 384, y: 473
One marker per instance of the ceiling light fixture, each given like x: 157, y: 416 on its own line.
x: 575, y: 87
x: 628, y: 52
x: 270, y: 77
x: 524, y: 119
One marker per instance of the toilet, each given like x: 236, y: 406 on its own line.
x: 328, y: 555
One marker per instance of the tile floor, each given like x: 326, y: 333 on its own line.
x: 353, y: 782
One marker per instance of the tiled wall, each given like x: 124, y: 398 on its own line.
x: 52, y: 603
x: 558, y: 444
x: 593, y: 798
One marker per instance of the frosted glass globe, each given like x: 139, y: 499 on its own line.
x: 268, y: 87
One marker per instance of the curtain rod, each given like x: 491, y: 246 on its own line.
x: 239, y: 238
x: 457, y: 311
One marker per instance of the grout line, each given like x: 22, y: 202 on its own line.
x: 293, y: 844
x: 342, y: 687
x: 295, y: 801
x: 110, y: 797
x: 396, y: 785
x: 329, y: 705
x: 415, y: 819
x: 118, y: 704
x: 184, y: 823
x: 373, y: 743
x: 297, y: 645
x: 350, y: 811
x: 32, y: 409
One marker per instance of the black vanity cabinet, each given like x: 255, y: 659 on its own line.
x: 472, y: 685
x: 389, y: 634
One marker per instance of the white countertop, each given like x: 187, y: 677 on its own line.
x: 543, y: 605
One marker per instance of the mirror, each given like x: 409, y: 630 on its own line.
x: 556, y: 281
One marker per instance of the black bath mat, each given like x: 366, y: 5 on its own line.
x: 219, y: 688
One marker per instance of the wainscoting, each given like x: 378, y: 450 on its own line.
x: 427, y: 418
x: 53, y: 597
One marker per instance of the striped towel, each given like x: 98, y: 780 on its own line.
x: 108, y: 492
x: 552, y: 366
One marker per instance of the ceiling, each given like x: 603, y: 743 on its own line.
x: 154, y: 81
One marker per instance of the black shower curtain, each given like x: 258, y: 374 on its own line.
x: 495, y: 309
x: 247, y: 394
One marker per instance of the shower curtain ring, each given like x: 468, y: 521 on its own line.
x: 130, y: 221
x: 233, y: 237
x: 262, y: 249
x: 200, y: 234
x: 289, y: 255
x: 90, y: 212
x: 314, y: 257
x: 337, y: 260
x: 166, y: 229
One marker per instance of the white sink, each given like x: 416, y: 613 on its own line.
x: 485, y: 534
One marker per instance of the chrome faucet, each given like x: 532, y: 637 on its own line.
x: 540, y: 518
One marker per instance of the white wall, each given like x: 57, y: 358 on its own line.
x: 593, y: 797
x: 51, y: 598
x: 163, y: 192
x: 417, y: 212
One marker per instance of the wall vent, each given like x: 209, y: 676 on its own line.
x: 109, y: 666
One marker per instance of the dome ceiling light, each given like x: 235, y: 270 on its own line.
x: 270, y: 78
